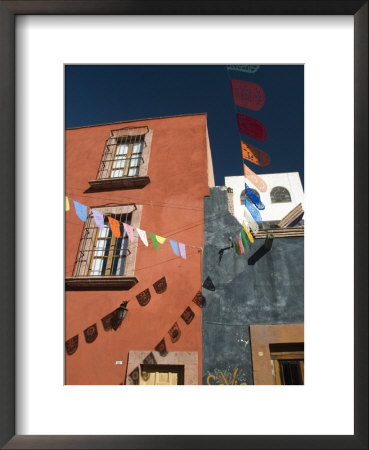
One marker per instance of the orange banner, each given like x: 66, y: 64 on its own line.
x: 115, y: 226
x: 254, y: 155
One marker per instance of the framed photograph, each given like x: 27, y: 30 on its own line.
x: 73, y: 278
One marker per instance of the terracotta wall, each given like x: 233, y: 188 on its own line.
x: 172, y: 206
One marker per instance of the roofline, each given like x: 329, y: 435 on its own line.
x: 137, y: 120
x: 262, y: 174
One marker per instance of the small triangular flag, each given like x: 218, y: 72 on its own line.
x: 182, y: 249
x: 243, y: 239
x: 129, y: 230
x: 98, y: 218
x: 81, y: 210
x: 160, y: 239
x: 247, y: 231
x: 143, y: 236
x: 240, y: 246
x: 236, y: 248
x: 174, y: 247
x: 115, y: 226
x: 154, y: 241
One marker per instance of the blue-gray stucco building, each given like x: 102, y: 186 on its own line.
x: 260, y: 288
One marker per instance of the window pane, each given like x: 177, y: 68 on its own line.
x: 291, y: 372
x: 104, y: 232
x: 122, y: 149
x: 117, y: 173
x: 133, y: 172
x: 100, y: 247
x: 137, y: 147
x: 119, y: 163
x: 97, y: 266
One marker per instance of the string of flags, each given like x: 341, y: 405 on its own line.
x: 250, y: 95
x: 81, y: 210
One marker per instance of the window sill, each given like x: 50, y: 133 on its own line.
x: 105, y: 184
x: 108, y: 283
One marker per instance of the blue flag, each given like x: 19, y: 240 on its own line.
x: 254, y: 198
x: 174, y: 247
x: 253, y: 211
x: 81, y: 210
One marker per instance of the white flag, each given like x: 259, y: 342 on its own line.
x: 143, y: 236
x: 250, y: 221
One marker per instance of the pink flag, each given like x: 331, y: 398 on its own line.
x: 255, y: 179
x: 129, y: 231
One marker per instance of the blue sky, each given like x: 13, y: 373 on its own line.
x: 113, y: 93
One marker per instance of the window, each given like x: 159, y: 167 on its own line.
x: 104, y: 260
x: 288, y: 363
x: 124, y: 163
x: 127, y: 158
x: 243, y: 196
x: 280, y: 194
x: 109, y: 253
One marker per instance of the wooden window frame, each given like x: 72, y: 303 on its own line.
x: 128, y: 156
x: 261, y: 337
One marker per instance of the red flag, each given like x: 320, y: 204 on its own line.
x: 247, y: 95
x: 240, y: 246
x: 252, y: 127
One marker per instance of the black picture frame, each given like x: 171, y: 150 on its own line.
x: 8, y: 11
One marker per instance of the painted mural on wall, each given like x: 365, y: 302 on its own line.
x: 226, y: 376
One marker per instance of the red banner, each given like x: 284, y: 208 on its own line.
x: 252, y: 127
x: 247, y: 95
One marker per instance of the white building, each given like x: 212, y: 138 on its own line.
x: 284, y: 192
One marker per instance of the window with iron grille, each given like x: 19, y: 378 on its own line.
x: 124, y: 163
x: 109, y: 253
x: 100, y: 252
x: 280, y: 194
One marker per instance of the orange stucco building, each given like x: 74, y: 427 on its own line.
x: 151, y: 174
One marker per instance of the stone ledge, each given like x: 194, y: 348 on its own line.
x: 108, y: 283
x: 106, y: 184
